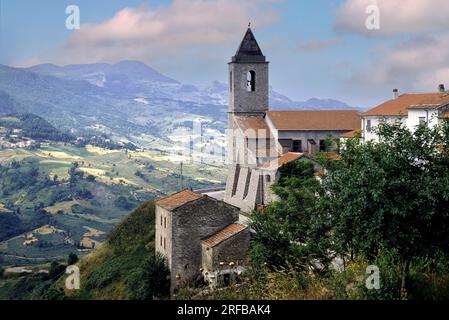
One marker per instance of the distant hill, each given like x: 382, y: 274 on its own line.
x: 35, y: 127
x: 128, y: 101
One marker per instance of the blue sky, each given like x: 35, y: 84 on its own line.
x: 317, y: 48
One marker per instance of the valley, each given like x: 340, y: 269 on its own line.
x: 81, y: 146
x: 113, y: 183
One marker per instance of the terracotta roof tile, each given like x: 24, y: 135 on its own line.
x: 319, y: 120
x: 400, y: 106
x: 179, y: 199
x: 253, y: 125
x: 286, y: 158
x: 224, y: 234
x: 350, y: 134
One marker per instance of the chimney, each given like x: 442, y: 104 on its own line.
x: 395, y: 94
x: 441, y: 88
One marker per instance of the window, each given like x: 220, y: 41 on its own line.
x: 368, y: 125
x: 422, y: 121
x: 297, y: 146
x: 230, y: 81
x: 323, y: 145
x: 268, y: 178
x: 251, y: 81
x: 165, y: 223
x: 164, y: 244
x: 161, y: 241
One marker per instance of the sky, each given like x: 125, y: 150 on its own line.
x: 317, y: 49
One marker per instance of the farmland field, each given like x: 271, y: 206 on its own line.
x: 113, y: 183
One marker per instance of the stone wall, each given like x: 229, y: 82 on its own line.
x: 163, y: 237
x: 234, y: 249
x: 240, y: 100
x: 246, y: 183
x: 192, y: 223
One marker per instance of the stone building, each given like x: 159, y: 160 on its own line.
x: 259, y: 138
x: 224, y: 253
x: 195, y: 233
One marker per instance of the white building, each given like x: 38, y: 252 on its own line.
x: 411, y: 109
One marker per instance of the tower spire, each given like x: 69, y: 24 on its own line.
x: 249, y: 50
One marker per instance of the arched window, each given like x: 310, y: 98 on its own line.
x: 251, y: 81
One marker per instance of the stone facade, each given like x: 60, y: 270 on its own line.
x: 242, y: 100
x: 231, y: 250
x: 187, y: 219
x: 257, y: 136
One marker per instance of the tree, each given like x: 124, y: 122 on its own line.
x: 73, y: 259
x: 150, y: 280
x: 290, y: 231
x: 391, y: 196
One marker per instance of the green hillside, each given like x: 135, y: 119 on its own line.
x: 114, y: 271
x: 77, y: 191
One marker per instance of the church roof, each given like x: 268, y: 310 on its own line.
x: 179, y: 199
x: 224, y: 234
x: 253, y: 126
x: 249, y: 50
x: 316, y: 120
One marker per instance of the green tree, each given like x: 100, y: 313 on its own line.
x: 150, y: 280
x: 289, y: 231
x: 73, y: 259
x: 391, y: 196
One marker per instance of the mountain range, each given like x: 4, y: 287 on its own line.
x: 126, y: 100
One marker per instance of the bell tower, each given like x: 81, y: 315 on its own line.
x: 248, y: 79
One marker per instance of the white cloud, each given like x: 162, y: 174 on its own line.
x: 185, y: 27
x: 396, y: 16
x: 418, y: 64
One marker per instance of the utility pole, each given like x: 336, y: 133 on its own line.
x: 182, y: 178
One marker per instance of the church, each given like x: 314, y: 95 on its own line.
x: 260, y: 141
x: 203, y: 237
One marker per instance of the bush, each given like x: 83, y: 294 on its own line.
x: 150, y: 280
x: 73, y: 259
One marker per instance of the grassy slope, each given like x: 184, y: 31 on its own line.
x: 105, y: 272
